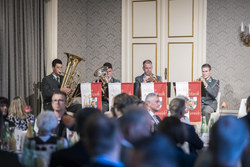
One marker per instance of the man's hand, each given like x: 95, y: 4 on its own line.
x: 204, y: 81
x: 145, y: 79
x: 66, y: 90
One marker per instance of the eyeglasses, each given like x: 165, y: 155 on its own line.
x: 58, y: 100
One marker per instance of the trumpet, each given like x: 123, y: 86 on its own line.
x: 102, y: 74
x: 201, y: 79
x: 152, y: 78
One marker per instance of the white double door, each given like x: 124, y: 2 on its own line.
x: 170, y: 33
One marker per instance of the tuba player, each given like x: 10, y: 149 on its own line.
x: 52, y: 83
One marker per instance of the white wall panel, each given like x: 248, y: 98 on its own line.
x: 141, y: 52
x: 180, y: 62
x: 144, y: 19
x: 180, y: 18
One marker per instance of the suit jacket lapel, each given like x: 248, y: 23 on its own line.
x: 141, y: 77
x: 54, y: 81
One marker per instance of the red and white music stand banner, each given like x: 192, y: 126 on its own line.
x: 91, y: 95
x: 118, y: 88
x: 193, y: 91
x: 161, y: 89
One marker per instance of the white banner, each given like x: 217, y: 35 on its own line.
x: 86, y: 94
x: 114, y: 89
x: 182, y: 88
x: 146, y: 88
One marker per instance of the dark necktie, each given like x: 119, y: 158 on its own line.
x: 155, y: 119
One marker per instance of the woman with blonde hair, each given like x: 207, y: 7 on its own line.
x: 19, y: 113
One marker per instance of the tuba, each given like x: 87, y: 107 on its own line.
x: 71, y: 78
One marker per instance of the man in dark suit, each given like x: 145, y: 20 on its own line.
x: 153, y: 105
x: 52, y: 83
x: 110, y: 72
x: 247, y: 117
x: 103, y: 140
x: 209, y: 102
x: 76, y: 155
x: 135, y: 124
x: 111, y: 79
x: 177, y: 108
x: 147, y: 76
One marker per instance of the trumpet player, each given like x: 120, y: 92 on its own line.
x: 147, y: 76
x: 209, y: 102
x: 105, y: 79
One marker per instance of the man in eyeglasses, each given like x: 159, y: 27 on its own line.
x: 59, y: 102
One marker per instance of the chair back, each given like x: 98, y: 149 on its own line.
x: 242, y: 111
x: 218, y: 102
x: 216, y: 114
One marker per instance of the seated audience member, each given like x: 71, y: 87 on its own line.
x: 59, y: 102
x: 154, y: 151
x: 135, y: 124
x: 176, y: 132
x: 18, y: 115
x: 153, y: 105
x: 7, y: 159
x: 142, y: 104
x: 247, y: 117
x: 103, y: 141
x: 46, y: 123
x: 135, y: 99
x: 177, y: 108
x: 138, y: 102
x: 228, y: 138
x: 121, y: 102
x: 76, y: 155
x: 185, y: 119
x: 4, y: 105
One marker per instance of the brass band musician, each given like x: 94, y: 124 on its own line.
x: 209, y: 102
x: 52, y: 83
x: 147, y: 76
x: 106, y: 77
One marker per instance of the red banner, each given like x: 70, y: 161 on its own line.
x: 161, y: 89
x: 194, y: 93
x: 127, y: 88
x: 96, y: 92
x: 91, y: 95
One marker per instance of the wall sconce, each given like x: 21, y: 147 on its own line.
x: 245, y: 37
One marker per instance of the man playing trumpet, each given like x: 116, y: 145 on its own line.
x: 209, y: 102
x: 105, y: 79
x: 147, y: 76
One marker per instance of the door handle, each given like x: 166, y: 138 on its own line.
x: 166, y: 73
